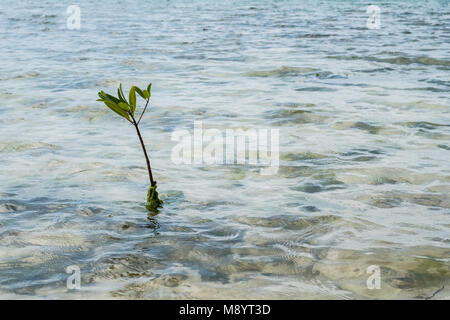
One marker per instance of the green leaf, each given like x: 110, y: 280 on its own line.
x: 139, y: 91
x: 122, y: 95
x: 149, y: 89
x: 102, y: 95
x: 115, y: 107
x: 146, y: 94
x: 132, y: 98
x: 124, y: 106
x: 108, y: 97
x: 112, y: 98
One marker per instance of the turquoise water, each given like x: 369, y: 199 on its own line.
x: 364, y: 176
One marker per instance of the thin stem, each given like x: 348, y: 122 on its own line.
x: 150, y: 175
x: 145, y: 108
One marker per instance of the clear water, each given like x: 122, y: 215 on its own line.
x: 364, y: 174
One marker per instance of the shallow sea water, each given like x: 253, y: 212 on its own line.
x: 364, y: 175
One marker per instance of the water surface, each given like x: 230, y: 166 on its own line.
x: 364, y: 176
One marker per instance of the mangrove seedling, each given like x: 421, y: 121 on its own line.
x: 126, y: 109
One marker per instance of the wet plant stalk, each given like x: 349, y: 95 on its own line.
x: 149, y: 168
